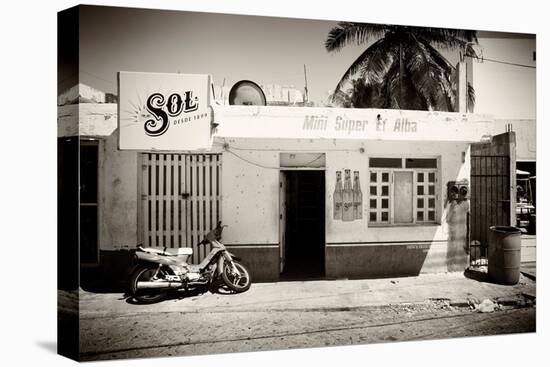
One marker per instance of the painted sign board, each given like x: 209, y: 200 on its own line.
x: 164, y: 112
x: 339, y: 123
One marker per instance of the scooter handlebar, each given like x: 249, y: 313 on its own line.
x: 214, y: 235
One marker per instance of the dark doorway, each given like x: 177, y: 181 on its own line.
x: 67, y: 214
x: 304, y: 245
x: 89, y: 253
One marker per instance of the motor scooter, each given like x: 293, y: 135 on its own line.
x: 161, y: 270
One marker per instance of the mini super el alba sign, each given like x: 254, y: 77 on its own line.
x: 164, y: 112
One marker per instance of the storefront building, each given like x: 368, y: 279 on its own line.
x: 305, y: 192
x: 345, y: 193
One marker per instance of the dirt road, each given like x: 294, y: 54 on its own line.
x: 192, y: 333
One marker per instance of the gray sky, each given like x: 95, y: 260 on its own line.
x: 267, y: 50
x: 263, y: 49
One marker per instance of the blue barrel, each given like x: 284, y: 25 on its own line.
x: 504, y: 255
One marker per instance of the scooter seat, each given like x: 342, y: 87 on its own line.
x: 169, y: 251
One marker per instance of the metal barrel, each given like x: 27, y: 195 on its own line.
x: 504, y: 255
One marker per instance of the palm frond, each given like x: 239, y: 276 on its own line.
x: 364, y: 95
x: 471, y: 98
x: 426, y: 80
x: 437, y: 57
x: 390, y: 87
x: 425, y: 74
x: 341, y: 99
x: 447, y: 85
x: 375, y: 50
x: 377, y: 61
x: 346, y: 33
x: 446, y: 89
x: 450, y: 39
x: 445, y: 34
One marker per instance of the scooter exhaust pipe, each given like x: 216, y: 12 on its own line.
x: 154, y: 285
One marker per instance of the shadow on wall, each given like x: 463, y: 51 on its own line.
x: 376, y: 261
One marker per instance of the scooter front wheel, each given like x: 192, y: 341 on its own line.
x: 238, y: 281
x: 145, y: 296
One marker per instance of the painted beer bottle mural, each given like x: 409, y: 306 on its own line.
x: 357, y: 197
x: 347, y: 197
x: 337, y: 197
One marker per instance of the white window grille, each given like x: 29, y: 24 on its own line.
x: 403, y: 191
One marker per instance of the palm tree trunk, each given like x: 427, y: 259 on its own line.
x: 401, y: 70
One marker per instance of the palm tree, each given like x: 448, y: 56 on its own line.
x: 404, y: 63
x: 359, y: 95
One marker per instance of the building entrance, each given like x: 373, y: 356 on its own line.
x: 303, y: 221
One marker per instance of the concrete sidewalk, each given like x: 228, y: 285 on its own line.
x: 529, y: 269
x: 455, y: 288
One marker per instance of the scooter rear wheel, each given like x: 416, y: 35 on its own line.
x: 148, y: 296
x: 237, y: 282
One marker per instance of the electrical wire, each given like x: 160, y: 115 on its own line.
x: 286, y: 150
x: 250, y: 162
x: 509, y: 63
x: 501, y: 62
x: 294, y: 150
x: 269, y: 167
x: 310, y: 162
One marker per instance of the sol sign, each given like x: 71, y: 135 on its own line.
x: 167, y: 112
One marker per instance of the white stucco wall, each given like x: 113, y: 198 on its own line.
x: 117, y: 171
x: 451, y: 168
x: 250, y: 193
x: 526, y: 137
x: 87, y: 119
x: 250, y: 200
x: 118, y: 185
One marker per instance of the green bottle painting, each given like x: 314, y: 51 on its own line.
x: 347, y: 214
x: 357, y: 197
x: 338, y: 191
